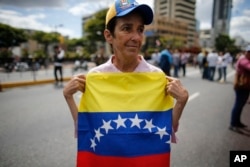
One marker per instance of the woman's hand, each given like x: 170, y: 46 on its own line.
x: 175, y: 89
x: 77, y: 83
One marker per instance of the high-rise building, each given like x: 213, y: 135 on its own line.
x: 182, y: 10
x: 221, y: 17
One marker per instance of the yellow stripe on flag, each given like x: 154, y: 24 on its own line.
x: 125, y: 92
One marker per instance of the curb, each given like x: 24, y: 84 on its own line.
x: 28, y: 83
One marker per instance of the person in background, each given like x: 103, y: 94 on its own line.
x: 166, y: 61
x: 200, y: 60
x: 219, y: 66
x: 176, y: 62
x: 156, y: 57
x: 212, y: 60
x: 242, y: 90
x: 205, y: 73
x: 58, y: 66
x: 226, y: 59
x: 100, y: 57
x: 183, y: 61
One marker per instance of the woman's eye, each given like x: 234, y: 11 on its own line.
x: 126, y: 28
x: 141, y: 30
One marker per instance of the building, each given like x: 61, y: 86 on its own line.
x: 221, y: 18
x: 205, y: 39
x: 168, y: 28
x: 181, y: 10
x: 84, y: 20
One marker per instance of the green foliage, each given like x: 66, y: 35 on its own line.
x: 25, y: 53
x: 72, y: 43
x: 10, y: 36
x: 39, y: 54
x: 46, y: 38
x: 223, y: 42
x: 94, y: 28
x: 5, y: 53
x: 151, y: 50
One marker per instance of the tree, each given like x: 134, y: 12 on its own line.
x: 223, y: 42
x: 94, y: 28
x: 46, y: 39
x: 10, y: 36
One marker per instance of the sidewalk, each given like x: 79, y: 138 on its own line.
x: 45, y: 76
x: 27, y: 78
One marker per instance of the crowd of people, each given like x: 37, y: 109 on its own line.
x: 208, y: 63
x: 213, y: 67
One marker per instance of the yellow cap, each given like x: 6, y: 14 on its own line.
x: 123, y: 7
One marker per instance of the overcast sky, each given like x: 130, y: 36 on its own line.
x: 65, y: 16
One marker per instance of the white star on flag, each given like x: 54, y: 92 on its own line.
x: 149, y: 125
x: 106, y: 126
x: 161, y: 132
x: 98, y: 134
x: 93, y: 144
x: 168, y: 141
x: 136, y: 121
x: 120, y: 122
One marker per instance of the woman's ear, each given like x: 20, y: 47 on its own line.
x: 108, y: 36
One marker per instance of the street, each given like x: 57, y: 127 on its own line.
x: 36, y: 127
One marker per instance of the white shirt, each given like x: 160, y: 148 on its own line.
x: 212, y: 59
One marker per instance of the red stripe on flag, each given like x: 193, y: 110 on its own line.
x: 87, y: 159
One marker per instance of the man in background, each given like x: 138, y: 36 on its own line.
x: 58, y: 67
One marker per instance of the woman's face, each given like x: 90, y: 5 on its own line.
x: 128, y: 36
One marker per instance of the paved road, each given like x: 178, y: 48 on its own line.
x: 204, y: 138
x: 36, y: 128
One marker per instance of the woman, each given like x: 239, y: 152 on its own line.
x: 242, y: 90
x: 124, y: 31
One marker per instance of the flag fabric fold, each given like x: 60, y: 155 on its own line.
x: 124, y: 119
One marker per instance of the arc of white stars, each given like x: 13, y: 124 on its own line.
x: 161, y: 132
x: 98, y: 134
x: 149, y: 125
x: 106, y: 126
x: 120, y: 122
x: 136, y: 121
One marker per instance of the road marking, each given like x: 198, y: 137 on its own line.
x: 193, y: 96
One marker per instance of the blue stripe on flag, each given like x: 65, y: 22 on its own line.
x: 125, y: 133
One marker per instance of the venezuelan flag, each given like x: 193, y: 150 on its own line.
x: 124, y: 120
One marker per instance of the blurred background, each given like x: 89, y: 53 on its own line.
x: 36, y: 128
x: 30, y: 29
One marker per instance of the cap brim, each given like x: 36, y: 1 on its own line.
x: 145, y: 10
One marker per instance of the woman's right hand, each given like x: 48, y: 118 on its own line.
x: 76, y: 83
